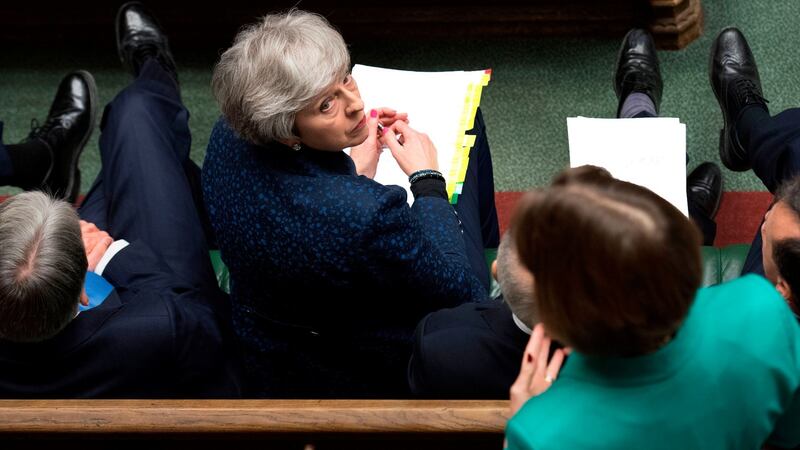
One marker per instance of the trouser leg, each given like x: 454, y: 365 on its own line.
x: 475, y: 207
x: 143, y: 191
x: 773, y: 149
x: 772, y: 144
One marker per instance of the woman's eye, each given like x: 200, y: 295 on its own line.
x: 326, y: 105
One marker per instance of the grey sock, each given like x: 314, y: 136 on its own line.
x: 635, y: 104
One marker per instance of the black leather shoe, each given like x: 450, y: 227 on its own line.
x: 66, y: 130
x: 139, y: 37
x: 736, y: 84
x: 704, y: 188
x: 637, y: 68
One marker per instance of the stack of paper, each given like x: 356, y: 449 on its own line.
x: 440, y: 104
x: 650, y: 152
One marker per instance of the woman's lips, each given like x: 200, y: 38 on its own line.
x: 359, y: 125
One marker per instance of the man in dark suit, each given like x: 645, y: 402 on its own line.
x: 160, y: 332
x: 474, y: 350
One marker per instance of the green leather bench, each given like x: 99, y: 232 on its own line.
x: 720, y: 264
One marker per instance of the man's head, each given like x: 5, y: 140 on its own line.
x: 42, y: 267
x: 616, y: 266
x: 516, y: 282
x: 780, y: 236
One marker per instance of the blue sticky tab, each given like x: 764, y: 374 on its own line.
x: 97, y: 289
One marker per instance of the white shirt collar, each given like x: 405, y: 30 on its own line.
x: 521, y: 324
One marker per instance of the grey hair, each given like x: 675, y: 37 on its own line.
x: 275, y: 69
x: 516, y: 282
x: 42, y: 266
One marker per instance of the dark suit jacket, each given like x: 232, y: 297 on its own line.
x: 153, y: 337
x: 471, y: 351
x: 330, y: 271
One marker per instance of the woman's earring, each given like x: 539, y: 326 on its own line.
x: 296, y: 147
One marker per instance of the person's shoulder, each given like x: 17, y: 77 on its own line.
x: 457, y: 355
x: 222, y: 136
x: 458, y: 338
x: 746, y: 314
x: 465, y: 316
x: 750, y: 296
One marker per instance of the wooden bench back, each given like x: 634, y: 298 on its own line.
x: 263, y: 424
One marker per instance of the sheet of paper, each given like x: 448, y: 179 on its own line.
x: 650, y: 152
x: 436, y: 103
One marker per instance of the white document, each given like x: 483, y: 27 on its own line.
x: 440, y: 104
x: 650, y: 152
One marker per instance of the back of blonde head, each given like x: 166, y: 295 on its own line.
x: 276, y: 68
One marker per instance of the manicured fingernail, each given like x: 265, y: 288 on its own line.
x: 385, y: 130
x: 529, y: 357
x: 373, y: 113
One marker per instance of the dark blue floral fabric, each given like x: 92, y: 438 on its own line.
x: 330, y: 271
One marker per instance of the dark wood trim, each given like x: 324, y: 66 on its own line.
x: 676, y: 23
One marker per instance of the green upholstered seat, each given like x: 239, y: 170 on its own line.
x: 720, y: 264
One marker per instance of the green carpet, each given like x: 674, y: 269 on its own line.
x: 536, y: 84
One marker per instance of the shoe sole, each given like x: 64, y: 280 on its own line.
x: 724, y: 144
x: 73, y: 186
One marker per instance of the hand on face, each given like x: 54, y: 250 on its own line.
x: 95, y: 241
x: 366, y: 155
x: 417, y: 152
x: 535, y: 374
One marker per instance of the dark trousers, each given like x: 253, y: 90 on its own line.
x: 475, y: 206
x: 773, y: 149
x: 706, y: 224
x: 148, y: 188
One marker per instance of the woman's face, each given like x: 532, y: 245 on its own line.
x: 334, y: 120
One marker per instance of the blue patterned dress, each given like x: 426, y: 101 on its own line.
x: 330, y: 271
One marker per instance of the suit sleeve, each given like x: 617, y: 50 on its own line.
x: 419, y: 250
x: 137, y: 267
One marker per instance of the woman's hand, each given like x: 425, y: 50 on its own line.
x: 366, y: 155
x: 388, y: 117
x: 535, y: 375
x: 417, y: 152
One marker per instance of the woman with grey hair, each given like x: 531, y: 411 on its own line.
x: 330, y: 270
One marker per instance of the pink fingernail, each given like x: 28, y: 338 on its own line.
x: 373, y: 113
x: 385, y: 130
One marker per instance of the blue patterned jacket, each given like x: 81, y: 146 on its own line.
x: 330, y: 271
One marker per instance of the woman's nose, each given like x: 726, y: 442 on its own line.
x: 354, y: 103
